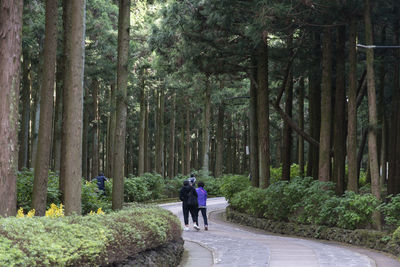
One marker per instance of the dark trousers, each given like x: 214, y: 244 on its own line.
x: 193, y: 212
x: 204, y: 213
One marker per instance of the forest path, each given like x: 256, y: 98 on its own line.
x: 227, y: 244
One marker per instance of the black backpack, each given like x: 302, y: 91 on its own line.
x: 192, y: 199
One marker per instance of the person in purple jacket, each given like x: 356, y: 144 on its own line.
x: 202, y: 199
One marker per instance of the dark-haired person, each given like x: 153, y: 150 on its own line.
x: 101, y: 182
x: 202, y: 200
x: 188, y: 196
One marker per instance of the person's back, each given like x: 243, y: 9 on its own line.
x: 100, y: 181
x: 202, y: 201
x: 188, y: 196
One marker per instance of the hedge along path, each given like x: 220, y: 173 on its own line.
x: 85, y: 240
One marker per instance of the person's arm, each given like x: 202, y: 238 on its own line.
x: 181, y: 195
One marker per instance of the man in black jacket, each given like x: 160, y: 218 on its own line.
x: 188, y: 196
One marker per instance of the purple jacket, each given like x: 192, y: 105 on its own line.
x: 201, y: 197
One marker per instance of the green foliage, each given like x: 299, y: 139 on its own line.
x: 391, y: 210
x: 25, y: 186
x: 154, y: 184
x: 231, y: 185
x: 251, y: 201
x: 135, y: 190
x: 85, y: 241
x: 92, y: 199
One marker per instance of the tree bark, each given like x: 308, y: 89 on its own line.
x: 85, y: 134
x: 122, y: 80
x: 146, y: 137
x: 382, y: 114
x: 315, y: 107
x: 372, y: 112
x: 182, y: 143
x: 111, y: 130
x: 171, y: 156
x: 301, y: 125
x: 23, y: 138
x: 10, y: 54
x: 159, y: 157
x: 42, y: 162
x: 339, y: 139
x: 352, y: 184
x: 287, y: 131
x: 229, y: 150
x: 263, y: 114
x: 206, y: 127
x: 96, y: 134
x: 188, y: 137
x: 254, y: 172
x: 72, y: 124
x: 326, y: 108
x: 394, y: 138
x: 142, y: 125
x: 220, y: 142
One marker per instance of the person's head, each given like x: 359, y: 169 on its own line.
x: 192, y: 175
x: 185, y: 183
x: 200, y: 184
x: 101, y: 174
x: 192, y: 181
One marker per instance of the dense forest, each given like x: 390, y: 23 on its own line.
x: 229, y: 86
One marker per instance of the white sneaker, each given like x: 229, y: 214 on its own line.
x: 196, y: 227
x: 185, y: 228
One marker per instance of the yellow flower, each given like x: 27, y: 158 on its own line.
x: 31, y: 213
x: 100, y: 211
x: 54, y: 211
x: 20, y: 213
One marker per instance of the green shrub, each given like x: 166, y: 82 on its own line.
x: 232, y: 184
x: 85, y: 240
x: 154, y: 184
x: 135, y: 190
x: 250, y: 201
x: 92, y: 199
x: 391, y: 210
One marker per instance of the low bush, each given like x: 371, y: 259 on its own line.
x: 85, y: 240
x: 232, y: 184
x: 251, y: 200
x: 391, y: 210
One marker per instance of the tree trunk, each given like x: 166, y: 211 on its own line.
x: 23, y: 139
x: 263, y: 114
x: 326, y: 108
x: 159, y: 157
x: 96, y: 122
x: 72, y: 111
x: 206, y: 127
x: 394, y: 138
x: 122, y: 80
x: 58, y: 115
x: 147, y: 165
x: 142, y: 125
x: 111, y: 131
x: 254, y: 172
x: 39, y: 195
x: 287, y: 131
x: 188, y: 136
x: 339, y: 139
x: 220, y: 142
x: 381, y: 113
x: 229, y: 152
x: 315, y: 107
x: 182, y: 143
x: 352, y: 184
x: 10, y: 54
x: 171, y: 156
x: 301, y: 125
x: 85, y: 138
x: 372, y: 112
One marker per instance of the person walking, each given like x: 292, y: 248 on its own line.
x: 101, y: 183
x: 188, y: 196
x: 202, y: 200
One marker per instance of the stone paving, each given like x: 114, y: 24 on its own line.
x: 232, y: 245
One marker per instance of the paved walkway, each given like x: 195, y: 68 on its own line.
x: 227, y: 244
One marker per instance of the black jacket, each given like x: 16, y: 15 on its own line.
x: 183, y: 194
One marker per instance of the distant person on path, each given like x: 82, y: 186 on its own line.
x: 101, y: 182
x: 192, y: 180
x: 202, y: 200
x: 188, y: 196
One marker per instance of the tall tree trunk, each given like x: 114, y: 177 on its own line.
x: 42, y: 162
x: 196, y: 150
x: 25, y: 99
x: 162, y: 135
x: 85, y: 138
x: 254, y: 172
x: 171, y: 157
x: 339, y: 139
x: 301, y: 125
x: 315, y: 106
x: 10, y: 54
x: 352, y: 184
x: 220, y: 142
x: 111, y: 132
x: 58, y: 114
x: 159, y: 132
x: 263, y: 114
x: 188, y: 136
x: 142, y: 125
x: 245, y: 144
x: 72, y: 111
x: 96, y: 123
x: 394, y: 136
x: 122, y: 80
x: 182, y: 143
x: 381, y: 113
x: 206, y: 127
x: 147, y: 165
x: 287, y: 131
x: 229, y: 150
x: 326, y: 108
x: 372, y: 112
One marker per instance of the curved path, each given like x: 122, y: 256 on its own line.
x: 226, y: 244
